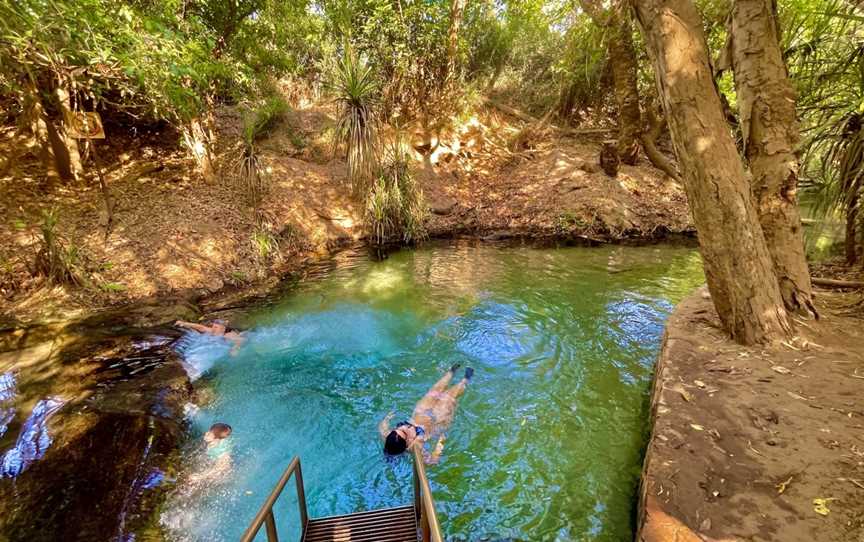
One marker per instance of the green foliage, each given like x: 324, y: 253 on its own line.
x: 250, y: 180
x: 824, y: 49
x: 260, y: 121
x: 547, y: 56
x: 112, y: 287
x: 56, y: 259
x: 395, y: 208
x: 148, y: 60
x: 569, y: 221
x: 357, y: 128
x: 265, y: 243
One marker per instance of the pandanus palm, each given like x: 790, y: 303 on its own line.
x: 355, y: 90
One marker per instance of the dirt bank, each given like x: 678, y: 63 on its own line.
x: 173, y: 235
x: 757, y: 443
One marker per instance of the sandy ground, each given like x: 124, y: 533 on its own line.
x: 761, y: 444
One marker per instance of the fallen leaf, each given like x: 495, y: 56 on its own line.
x: 820, y: 506
x: 684, y: 393
x: 781, y: 487
x: 697, y: 427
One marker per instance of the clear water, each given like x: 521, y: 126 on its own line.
x: 547, y: 442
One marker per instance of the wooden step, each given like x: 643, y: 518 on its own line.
x: 386, y: 525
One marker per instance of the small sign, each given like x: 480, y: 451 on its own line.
x: 84, y: 125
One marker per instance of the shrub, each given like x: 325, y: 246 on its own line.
x: 57, y: 260
x: 355, y: 90
x: 257, y: 123
x: 395, y: 208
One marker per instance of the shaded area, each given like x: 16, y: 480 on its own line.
x: 745, y: 440
x: 96, y: 413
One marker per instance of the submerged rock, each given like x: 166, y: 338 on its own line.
x: 93, y: 468
x: 33, y: 441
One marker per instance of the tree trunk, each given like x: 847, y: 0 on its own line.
x: 44, y: 134
x: 198, y: 139
x: 649, y: 138
x: 737, y: 263
x: 457, y: 8
x: 76, y: 169
x: 851, y: 241
x: 622, y: 56
x: 769, y: 129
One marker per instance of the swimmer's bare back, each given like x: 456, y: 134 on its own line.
x: 433, y: 413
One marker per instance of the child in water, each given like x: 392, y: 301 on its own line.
x: 218, y: 454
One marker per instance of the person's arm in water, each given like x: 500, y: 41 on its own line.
x: 384, y: 425
x: 200, y: 328
x: 435, y: 456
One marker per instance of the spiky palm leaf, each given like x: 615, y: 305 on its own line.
x: 355, y: 90
x: 829, y: 73
x: 395, y: 208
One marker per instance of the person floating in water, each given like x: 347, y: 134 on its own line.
x: 217, y: 449
x: 218, y: 328
x: 432, y: 416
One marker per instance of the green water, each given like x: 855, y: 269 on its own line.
x: 547, y: 440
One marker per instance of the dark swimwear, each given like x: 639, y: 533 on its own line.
x: 420, y: 431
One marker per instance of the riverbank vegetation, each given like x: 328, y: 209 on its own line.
x: 222, y: 86
x: 240, y: 140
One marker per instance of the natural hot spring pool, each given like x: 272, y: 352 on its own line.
x: 548, y: 439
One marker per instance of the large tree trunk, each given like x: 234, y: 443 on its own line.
x: 623, y: 59
x: 76, y: 169
x: 457, y: 8
x: 52, y: 151
x: 769, y: 128
x: 737, y: 264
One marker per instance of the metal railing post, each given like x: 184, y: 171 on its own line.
x: 270, y: 525
x: 301, y: 498
x: 417, y: 507
x: 265, y: 515
x: 428, y: 518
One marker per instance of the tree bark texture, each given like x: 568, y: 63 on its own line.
x: 735, y: 256
x: 622, y: 56
x: 769, y: 128
x: 649, y: 138
x: 51, y: 148
x: 457, y: 8
x: 76, y: 169
x: 198, y: 138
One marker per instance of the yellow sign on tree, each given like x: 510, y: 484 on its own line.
x: 84, y: 125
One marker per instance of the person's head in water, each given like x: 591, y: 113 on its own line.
x: 219, y: 326
x: 401, y: 438
x: 217, y: 432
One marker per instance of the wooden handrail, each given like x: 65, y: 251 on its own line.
x: 424, y: 504
x: 265, y: 515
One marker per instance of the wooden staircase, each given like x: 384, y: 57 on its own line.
x: 415, y: 522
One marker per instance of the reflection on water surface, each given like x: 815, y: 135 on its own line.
x: 547, y: 441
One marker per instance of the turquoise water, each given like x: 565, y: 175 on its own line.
x: 547, y: 440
